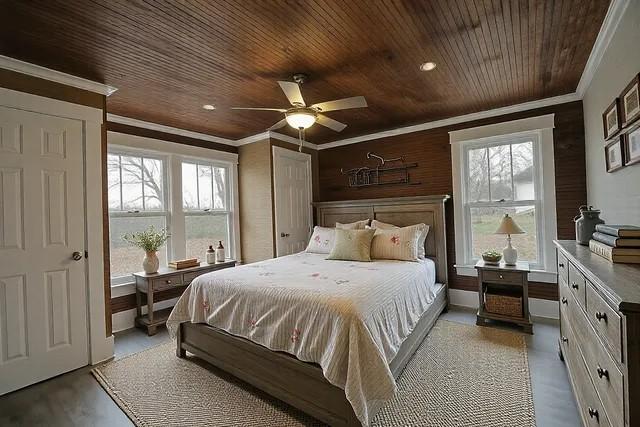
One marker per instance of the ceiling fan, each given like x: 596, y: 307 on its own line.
x: 300, y: 116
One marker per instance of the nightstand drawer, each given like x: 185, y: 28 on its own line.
x: 167, y: 282
x: 577, y: 285
x: 502, y: 277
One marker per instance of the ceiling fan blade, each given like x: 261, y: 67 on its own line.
x: 281, y: 123
x: 341, y: 104
x: 281, y: 110
x: 330, y: 123
x: 292, y: 92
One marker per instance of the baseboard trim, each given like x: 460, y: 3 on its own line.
x: 538, y: 307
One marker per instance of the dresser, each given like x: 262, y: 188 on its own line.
x: 600, y: 334
x: 166, y: 278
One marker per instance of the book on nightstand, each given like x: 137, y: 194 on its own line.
x: 621, y: 255
x: 184, y: 263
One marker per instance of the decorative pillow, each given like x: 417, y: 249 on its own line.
x: 352, y: 245
x: 423, y: 237
x: 397, y: 243
x: 322, y: 240
x: 358, y: 225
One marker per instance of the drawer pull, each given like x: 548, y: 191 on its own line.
x: 564, y: 301
x: 574, y: 285
x: 561, y: 265
x: 601, y: 316
x: 501, y: 276
x: 602, y: 372
x: 168, y: 281
x: 565, y: 339
x: 593, y: 413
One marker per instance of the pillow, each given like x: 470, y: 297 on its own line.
x: 322, y: 240
x: 384, y: 226
x: 352, y: 245
x: 397, y: 243
x: 358, y: 225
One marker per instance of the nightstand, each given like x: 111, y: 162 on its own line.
x: 503, y: 292
x: 166, y: 279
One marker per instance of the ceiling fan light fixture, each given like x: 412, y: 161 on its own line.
x: 428, y: 66
x: 301, y: 118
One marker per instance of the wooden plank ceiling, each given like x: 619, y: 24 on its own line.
x: 168, y: 58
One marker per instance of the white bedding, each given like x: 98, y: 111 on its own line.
x: 348, y: 317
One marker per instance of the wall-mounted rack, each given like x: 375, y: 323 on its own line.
x: 387, y: 172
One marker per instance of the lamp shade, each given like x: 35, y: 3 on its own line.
x: 508, y: 226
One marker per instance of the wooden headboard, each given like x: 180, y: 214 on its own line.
x: 401, y: 211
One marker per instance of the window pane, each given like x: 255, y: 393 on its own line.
x: 485, y: 221
x: 131, y: 183
x: 113, y: 177
x: 189, y: 187
x: 205, y: 189
x: 500, y: 172
x: 522, y: 155
x: 478, y: 175
x: 219, y: 188
x: 204, y: 230
x: 127, y: 259
x: 153, y: 192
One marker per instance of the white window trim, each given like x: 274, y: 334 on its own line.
x: 174, y: 154
x: 461, y: 139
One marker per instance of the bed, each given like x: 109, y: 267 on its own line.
x: 327, y: 337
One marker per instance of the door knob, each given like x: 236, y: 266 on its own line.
x: 76, y: 256
x: 284, y: 234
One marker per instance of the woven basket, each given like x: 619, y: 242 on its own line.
x: 505, y: 305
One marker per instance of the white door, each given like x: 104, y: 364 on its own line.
x: 43, y: 302
x: 292, y: 200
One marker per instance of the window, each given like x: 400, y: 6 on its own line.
x: 505, y: 168
x: 190, y: 197
x: 500, y: 180
x: 137, y: 200
x: 205, y: 203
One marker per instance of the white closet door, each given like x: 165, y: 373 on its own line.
x: 43, y: 301
x: 292, y: 200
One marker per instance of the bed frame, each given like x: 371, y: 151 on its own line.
x: 302, y: 384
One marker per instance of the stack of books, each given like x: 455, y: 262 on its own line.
x: 617, y: 243
x: 184, y: 263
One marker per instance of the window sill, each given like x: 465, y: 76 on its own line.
x: 534, y: 275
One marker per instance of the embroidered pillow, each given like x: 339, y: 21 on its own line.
x: 352, y: 245
x: 423, y: 237
x: 358, y: 225
x: 322, y: 240
x: 397, y: 243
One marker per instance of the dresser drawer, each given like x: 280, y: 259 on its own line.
x: 167, y: 282
x: 589, y: 405
x: 502, y: 277
x: 577, y: 284
x: 606, y: 321
x: 563, y: 268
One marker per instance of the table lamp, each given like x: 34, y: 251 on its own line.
x: 508, y: 226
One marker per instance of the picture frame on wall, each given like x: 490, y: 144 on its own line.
x: 611, y: 119
x: 613, y: 155
x: 631, y: 145
x: 630, y: 102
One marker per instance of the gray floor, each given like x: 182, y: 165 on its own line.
x: 76, y: 399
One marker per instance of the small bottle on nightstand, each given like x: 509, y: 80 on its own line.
x: 211, y: 255
x: 220, y: 252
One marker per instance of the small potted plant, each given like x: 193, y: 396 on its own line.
x: 149, y: 241
x: 492, y: 257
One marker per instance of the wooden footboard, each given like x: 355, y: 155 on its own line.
x: 300, y: 384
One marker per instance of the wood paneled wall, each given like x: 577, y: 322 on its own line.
x: 431, y: 150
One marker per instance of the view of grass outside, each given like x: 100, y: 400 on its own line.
x: 485, y: 221
x: 127, y: 259
x: 204, y: 230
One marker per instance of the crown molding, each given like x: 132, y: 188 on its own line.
x: 292, y: 140
x: 29, y: 69
x: 455, y: 120
x: 252, y: 138
x: 609, y: 25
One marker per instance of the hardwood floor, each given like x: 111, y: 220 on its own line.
x: 76, y: 399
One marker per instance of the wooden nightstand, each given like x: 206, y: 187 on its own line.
x: 508, y: 280
x: 166, y: 278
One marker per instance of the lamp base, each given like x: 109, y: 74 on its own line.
x: 510, y: 254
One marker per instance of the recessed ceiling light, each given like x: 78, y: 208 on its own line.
x: 428, y: 66
x: 209, y: 107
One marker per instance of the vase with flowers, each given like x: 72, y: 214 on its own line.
x: 149, y: 241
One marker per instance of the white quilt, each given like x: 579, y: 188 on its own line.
x: 348, y: 317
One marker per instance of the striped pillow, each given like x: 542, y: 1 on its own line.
x: 358, y: 225
x: 322, y: 240
x: 397, y: 243
x: 352, y: 245
x: 423, y: 237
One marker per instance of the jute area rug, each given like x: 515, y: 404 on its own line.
x: 461, y: 375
